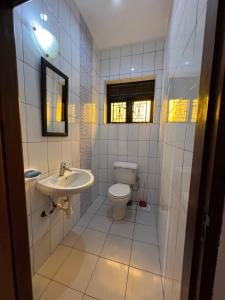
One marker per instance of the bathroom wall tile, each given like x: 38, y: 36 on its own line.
x: 67, y: 152
x: 125, y: 50
x: 149, y: 46
x: 105, y: 53
x: 64, y: 15
x: 38, y: 156
x: 34, y: 131
x: 114, y: 66
x: 23, y: 122
x: 57, y: 234
x: 104, y: 67
x: 41, y: 251
x: 30, y: 53
x: 137, y: 62
x: 159, y: 60
x: 125, y: 64
x: 20, y: 71
x: 54, y: 155
x: 176, y: 140
x: 114, y: 52
x: 65, y: 45
x: 149, y: 61
x: 40, y: 225
x: 18, y: 37
x: 137, y: 48
x: 75, y: 60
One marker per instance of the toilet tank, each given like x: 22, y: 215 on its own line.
x: 125, y: 172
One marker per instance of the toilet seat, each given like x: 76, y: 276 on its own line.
x: 119, y: 190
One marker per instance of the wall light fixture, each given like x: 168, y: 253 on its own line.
x: 45, y: 41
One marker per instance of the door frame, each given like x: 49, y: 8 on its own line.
x: 207, y: 188
x: 15, y: 272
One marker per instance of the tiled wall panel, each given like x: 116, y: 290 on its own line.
x: 182, y: 66
x: 130, y: 142
x: 46, y: 153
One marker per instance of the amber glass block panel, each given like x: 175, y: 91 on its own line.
x: 178, y: 110
x: 194, y: 112
x: 118, y: 112
x: 141, y: 111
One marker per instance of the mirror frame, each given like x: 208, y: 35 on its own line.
x: 44, y: 65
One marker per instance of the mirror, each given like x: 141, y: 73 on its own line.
x: 54, y: 94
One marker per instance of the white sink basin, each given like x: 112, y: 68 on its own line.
x: 70, y: 183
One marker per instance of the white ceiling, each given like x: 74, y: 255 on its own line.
x: 121, y: 22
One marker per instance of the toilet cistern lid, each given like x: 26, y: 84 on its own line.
x: 119, y: 190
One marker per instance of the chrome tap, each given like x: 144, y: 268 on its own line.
x: 63, y: 168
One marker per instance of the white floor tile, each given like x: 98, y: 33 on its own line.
x: 91, y: 241
x: 39, y: 284
x: 100, y: 223
x: 108, y: 281
x: 105, y: 210
x: 85, y: 220
x: 73, y: 235
x: 143, y: 286
x: 123, y: 228
x: 54, y: 262
x: 117, y: 248
x: 146, y: 234
x: 130, y: 215
x: 56, y: 291
x: 146, y: 218
x: 94, y: 206
x: 76, y: 270
x: 145, y: 257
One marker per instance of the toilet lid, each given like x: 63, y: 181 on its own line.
x: 119, y: 190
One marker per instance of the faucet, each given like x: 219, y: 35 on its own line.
x: 63, y: 168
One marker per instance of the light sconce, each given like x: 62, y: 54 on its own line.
x: 46, y: 42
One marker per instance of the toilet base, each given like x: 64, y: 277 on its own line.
x: 119, y: 212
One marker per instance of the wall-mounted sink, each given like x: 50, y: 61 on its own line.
x: 72, y: 182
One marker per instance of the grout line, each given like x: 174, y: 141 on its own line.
x: 97, y: 259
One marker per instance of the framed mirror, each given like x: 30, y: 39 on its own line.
x: 54, y: 100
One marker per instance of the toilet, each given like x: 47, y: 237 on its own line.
x: 125, y: 174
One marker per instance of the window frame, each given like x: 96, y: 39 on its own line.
x: 130, y: 99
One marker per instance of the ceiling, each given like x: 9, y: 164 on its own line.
x: 121, y: 22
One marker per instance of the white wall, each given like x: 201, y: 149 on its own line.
x: 46, y: 153
x: 130, y: 142
x: 182, y: 64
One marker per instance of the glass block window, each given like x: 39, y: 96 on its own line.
x: 130, y: 102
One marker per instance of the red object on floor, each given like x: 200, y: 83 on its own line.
x: 142, y: 203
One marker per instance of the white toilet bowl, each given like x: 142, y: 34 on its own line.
x: 119, y: 194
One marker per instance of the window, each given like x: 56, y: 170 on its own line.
x: 130, y: 102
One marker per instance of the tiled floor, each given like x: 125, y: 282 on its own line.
x: 105, y: 260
